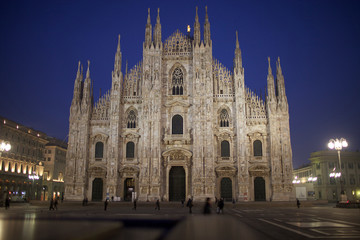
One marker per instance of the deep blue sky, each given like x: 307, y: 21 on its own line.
x: 318, y: 43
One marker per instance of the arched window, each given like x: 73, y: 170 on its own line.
x: 225, y: 149
x: 9, y: 167
x: 257, y: 148
x: 224, y: 118
x: 130, y: 150
x: 99, y: 150
x: 177, y: 82
x: 177, y: 124
x: 2, y: 166
x: 16, y: 168
x: 131, y: 120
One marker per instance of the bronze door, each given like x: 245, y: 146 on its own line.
x: 226, y: 189
x: 129, y: 188
x: 97, y: 189
x: 259, y: 188
x: 177, y: 184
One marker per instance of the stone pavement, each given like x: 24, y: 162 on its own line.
x: 74, y: 221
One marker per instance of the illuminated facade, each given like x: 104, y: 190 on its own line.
x: 178, y: 124
x: 54, y: 169
x: 21, y: 168
x: 324, y: 163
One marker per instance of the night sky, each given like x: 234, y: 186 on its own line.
x: 318, y: 43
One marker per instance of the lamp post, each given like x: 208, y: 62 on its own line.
x: 338, y: 145
x: 4, y: 146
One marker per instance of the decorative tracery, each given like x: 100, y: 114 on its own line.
x: 178, y: 44
x: 177, y: 82
x: 223, y: 80
x: 224, y: 118
x: 131, y: 119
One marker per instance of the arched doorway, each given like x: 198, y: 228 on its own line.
x: 177, y: 184
x: 129, y: 188
x: 259, y: 189
x: 226, y: 189
x: 97, y: 189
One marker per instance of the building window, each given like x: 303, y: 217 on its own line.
x: 317, y: 165
x: 177, y: 82
x: 331, y: 165
x: 320, y: 195
x: 49, y: 159
x: 130, y: 150
x: 351, y: 165
x: 332, y: 181
x: 352, y: 180
x: 319, y: 180
x: 99, y: 150
x: 177, y: 124
x: 224, y: 118
x: 131, y: 120
x: 225, y: 149
x: 257, y: 145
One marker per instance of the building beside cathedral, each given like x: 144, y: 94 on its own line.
x: 179, y: 124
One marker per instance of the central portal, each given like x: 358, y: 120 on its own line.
x: 177, y: 184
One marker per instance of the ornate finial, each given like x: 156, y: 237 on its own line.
x: 278, y: 67
x: 196, y: 16
x: 79, y: 70
x: 88, y: 70
x: 118, y: 46
x: 148, y: 19
x: 269, y: 69
x: 206, y: 14
x: 237, y: 40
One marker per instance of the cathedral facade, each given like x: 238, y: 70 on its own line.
x: 179, y: 124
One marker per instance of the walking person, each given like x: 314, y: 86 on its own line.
x: 134, y: 202
x: 7, y: 203
x: 55, y: 203
x: 51, y: 205
x: 106, y: 204
x: 207, y: 207
x: 298, y: 203
x: 157, y: 205
x: 221, y: 206
x: 189, y: 204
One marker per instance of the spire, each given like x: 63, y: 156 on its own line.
x: 157, y: 30
x: 88, y: 71
x: 148, y: 38
x: 78, y: 74
x: 207, y: 38
x: 197, y: 37
x: 280, y: 83
x: 117, y: 62
x: 270, y: 84
x: 237, y: 58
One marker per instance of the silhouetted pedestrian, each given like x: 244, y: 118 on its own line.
x: 207, y: 207
x: 106, y: 204
x: 182, y: 202
x: 189, y: 204
x: 220, y: 206
x: 134, y: 204
x: 157, y: 205
x: 216, y: 200
x: 7, y: 203
x: 51, y: 205
x: 55, y: 203
x: 298, y: 203
x: 83, y: 202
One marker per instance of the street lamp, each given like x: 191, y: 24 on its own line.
x: 4, y: 146
x: 338, y: 145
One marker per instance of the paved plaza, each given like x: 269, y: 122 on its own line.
x: 261, y: 220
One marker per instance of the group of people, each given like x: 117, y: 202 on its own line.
x: 53, y: 204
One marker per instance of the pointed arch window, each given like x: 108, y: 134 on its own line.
x: 224, y: 118
x: 177, y: 82
x: 177, y: 124
x: 9, y: 167
x: 225, y: 149
x: 131, y: 120
x: 130, y: 150
x: 99, y: 150
x: 257, y: 145
x: 2, y: 166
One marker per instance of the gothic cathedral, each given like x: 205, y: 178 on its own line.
x: 179, y: 124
